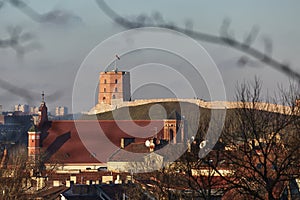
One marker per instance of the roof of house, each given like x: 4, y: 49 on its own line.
x: 136, y: 152
x: 93, y: 141
x: 84, y: 192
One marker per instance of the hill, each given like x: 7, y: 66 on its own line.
x: 197, y: 118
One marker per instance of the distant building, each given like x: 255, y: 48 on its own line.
x: 114, y: 87
x: 61, y: 111
x: 1, y: 119
x: 14, y: 129
x: 34, y: 110
x: 24, y: 108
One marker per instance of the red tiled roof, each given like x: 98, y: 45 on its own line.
x: 93, y: 141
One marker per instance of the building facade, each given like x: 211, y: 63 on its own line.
x: 34, y: 110
x: 24, y: 108
x: 33, y: 145
x: 114, y: 87
x: 61, y: 111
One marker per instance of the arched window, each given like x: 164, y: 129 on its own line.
x: 116, y: 81
x: 104, y: 81
x: 114, y: 96
x: 104, y: 89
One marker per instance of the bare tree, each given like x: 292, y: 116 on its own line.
x: 202, y: 179
x: 264, y: 148
x: 15, y: 175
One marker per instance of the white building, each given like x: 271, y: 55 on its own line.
x: 34, y: 110
x: 61, y: 111
x: 22, y: 108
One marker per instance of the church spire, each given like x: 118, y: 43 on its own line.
x: 43, y: 97
x: 43, y: 113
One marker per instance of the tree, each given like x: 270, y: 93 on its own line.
x: 15, y: 176
x: 264, y: 148
x: 201, y: 178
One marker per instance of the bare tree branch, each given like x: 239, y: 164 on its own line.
x: 226, y: 38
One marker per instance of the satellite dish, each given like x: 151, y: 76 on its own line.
x: 202, y: 144
x: 147, y: 143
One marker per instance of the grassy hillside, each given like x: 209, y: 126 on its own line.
x: 197, y: 118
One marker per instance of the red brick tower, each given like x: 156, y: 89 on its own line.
x: 170, y: 130
x: 33, y: 144
x: 114, y: 86
x: 34, y: 133
x: 174, y: 128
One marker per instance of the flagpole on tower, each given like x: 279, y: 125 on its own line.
x: 117, y: 58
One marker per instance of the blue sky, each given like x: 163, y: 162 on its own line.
x: 63, y: 45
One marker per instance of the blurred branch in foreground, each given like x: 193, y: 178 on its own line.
x: 225, y: 38
x: 21, y: 42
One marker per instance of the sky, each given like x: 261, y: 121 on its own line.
x: 59, y: 36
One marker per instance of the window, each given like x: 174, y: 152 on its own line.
x: 114, y: 96
x: 116, y: 89
x: 104, y: 89
x: 104, y: 81
x: 116, y: 81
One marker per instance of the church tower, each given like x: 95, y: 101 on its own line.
x: 34, y: 133
x: 33, y: 144
x: 114, y: 87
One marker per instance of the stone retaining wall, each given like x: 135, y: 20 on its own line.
x: 100, y: 108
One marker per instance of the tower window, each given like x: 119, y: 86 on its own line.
x: 116, y: 81
x: 104, y: 89
x: 114, y: 96
x: 116, y: 89
x: 104, y: 81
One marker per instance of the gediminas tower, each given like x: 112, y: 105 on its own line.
x: 114, y: 86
